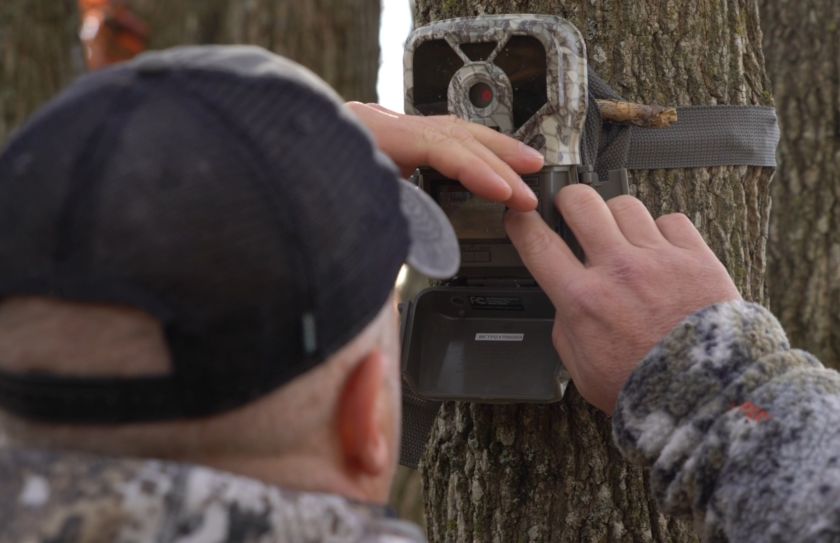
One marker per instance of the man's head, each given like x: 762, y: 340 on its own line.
x: 335, y: 427
x: 216, y: 209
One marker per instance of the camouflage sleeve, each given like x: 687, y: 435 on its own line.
x: 740, y: 430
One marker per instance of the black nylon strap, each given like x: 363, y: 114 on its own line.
x: 419, y: 415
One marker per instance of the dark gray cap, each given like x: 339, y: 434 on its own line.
x: 225, y: 191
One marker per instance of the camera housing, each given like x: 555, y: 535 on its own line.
x: 486, y: 251
x: 523, y: 75
x: 485, y: 335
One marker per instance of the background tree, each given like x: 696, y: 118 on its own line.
x: 550, y: 473
x: 40, y: 51
x: 39, y: 54
x: 337, y: 39
x: 802, y: 47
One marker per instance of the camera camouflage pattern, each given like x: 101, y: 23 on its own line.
x: 499, y: 111
x: 524, y: 75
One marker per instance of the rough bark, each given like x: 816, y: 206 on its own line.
x: 802, y: 46
x: 551, y: 473
x: 337, y: 39
x: 39, y: 54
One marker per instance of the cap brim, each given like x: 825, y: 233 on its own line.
x: 434, y: 248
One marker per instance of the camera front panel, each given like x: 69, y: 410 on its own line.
x: 523, y: 75
x: 486, y: 251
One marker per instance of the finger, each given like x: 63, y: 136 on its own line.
x: 680, y: 231
x: 522, y: 197
x: 520, y: 157
x: 412, y: 141
x: 635, y: 222
x: 543, y: 252
x: 456, y: 149
x: 459, y: 162
x: 591, y: 221
x: 457, y: 136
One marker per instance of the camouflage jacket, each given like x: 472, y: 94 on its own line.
x: 74, y: 498
x: 741, y: 431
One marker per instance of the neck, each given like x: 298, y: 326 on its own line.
x: 302, y: 472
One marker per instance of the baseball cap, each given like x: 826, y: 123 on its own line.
x: 228, y: 193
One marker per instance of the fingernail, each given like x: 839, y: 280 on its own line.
x: 499, y: 180
x: 530, y: 192
x: 531, y: 152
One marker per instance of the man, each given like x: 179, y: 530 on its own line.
x: 196, y: 263
x: 201, y: 251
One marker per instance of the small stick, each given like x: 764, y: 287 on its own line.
x: 638, y: 114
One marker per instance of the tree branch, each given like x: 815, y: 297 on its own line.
x: 647, y: 116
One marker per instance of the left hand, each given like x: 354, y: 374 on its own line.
x: 483, y: 160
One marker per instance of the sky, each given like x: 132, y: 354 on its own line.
x: 395, y: 26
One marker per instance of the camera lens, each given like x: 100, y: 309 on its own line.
x: 481, y: 95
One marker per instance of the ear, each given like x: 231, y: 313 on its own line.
x: 364, y: 441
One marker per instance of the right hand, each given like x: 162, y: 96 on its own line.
x: 640, y: 279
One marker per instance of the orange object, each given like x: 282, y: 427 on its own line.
x: 754, y: 412
x: 110, y: 32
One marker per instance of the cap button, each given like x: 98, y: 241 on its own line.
x: 152, y: 65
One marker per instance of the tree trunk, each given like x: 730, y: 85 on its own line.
x: 551, y: 473
x: 337, y: 39
x: 39, y: 54
x: 802, y: 45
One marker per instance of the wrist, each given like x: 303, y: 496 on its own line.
x: 693, y: 372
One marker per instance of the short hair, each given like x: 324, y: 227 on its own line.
x: 82, y: 339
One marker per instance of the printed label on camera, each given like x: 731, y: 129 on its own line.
x: 499, y: 337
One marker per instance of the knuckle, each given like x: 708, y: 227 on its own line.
x: 674, y: 219
x: 536, y: 241
x: 626, y: 270
x: 578, y: 292
x: 584, y: 297
x: 626, y: 205
x: 445, y: 130
x: 460, y: 133
x: 579, y: 198
x: 432, y: 135
x: 454, y: 120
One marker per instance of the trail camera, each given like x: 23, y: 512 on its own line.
x: 485, y: 335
